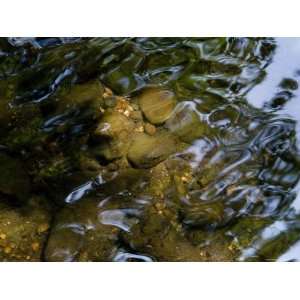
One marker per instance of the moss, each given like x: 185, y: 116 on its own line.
x: 26, y: 136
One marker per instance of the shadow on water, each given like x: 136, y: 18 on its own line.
x: 149, y: 149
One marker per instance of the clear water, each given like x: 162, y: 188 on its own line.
x: 216, y: 180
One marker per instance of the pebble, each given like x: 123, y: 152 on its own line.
x: 43, y: 227
x: 150, y: 129
x: 35, y: 246
x: 136, y: 115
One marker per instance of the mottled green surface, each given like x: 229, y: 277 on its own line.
x: 146, y: 149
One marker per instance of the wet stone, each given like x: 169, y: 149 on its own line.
x: 112, y: 125
x: 157, y: 105
x: 147, y: 151
x: 113, y: 135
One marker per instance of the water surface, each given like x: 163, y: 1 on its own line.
x: 149, y: 149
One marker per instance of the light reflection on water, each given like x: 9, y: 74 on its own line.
x: 285, y: 64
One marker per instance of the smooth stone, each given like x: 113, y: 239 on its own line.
x: 147, y: 151
x: 157, y: 105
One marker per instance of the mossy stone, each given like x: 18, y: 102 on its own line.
x: 81, y: 94
x: 113, y: 124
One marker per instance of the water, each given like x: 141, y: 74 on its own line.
x: 149, y: 149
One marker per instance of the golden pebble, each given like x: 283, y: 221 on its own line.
x: 35, y: 246
x: 150, y: 129
x: 184, y: 179
x: 2, y: 236
x: 139, y: 129
x: 127, y: 112
x: 43, y: 227
x: 108, y: 91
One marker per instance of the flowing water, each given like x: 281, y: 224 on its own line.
x: 149, y: 149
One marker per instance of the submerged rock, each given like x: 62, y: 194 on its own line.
x: 77, y: 235
x: 160, y: 235
x: 147, y: 151
x: 23, y: 230
x: 112, y: 125
x: 88, y: 230
x: 186, y: 123
x: 79, y: 94
x: 113, y: 134
x: 157, y: 105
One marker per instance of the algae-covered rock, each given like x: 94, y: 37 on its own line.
x: 157, y: 105
x: 14, y: 181
x: 80, y: 94
x: 113, y: 124
x: 147, y: 151
x: 74, y: 107
x: 23, y: 230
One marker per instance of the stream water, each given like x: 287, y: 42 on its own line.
x: 149, y: 149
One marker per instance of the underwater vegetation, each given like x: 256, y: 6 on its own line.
x: 148, y: 149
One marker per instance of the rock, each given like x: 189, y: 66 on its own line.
x: 88, y: 230
x: 150, y: 129
x: 112, y: 125
x: 147, y: 151
x: 186, y: 123
x: 157, y: 105
x: 79, y: 94
x: 114, y: 135
x: 136, y: 115
x: 160, y: 235
x: 21, y: 237
x: 14, y: 182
